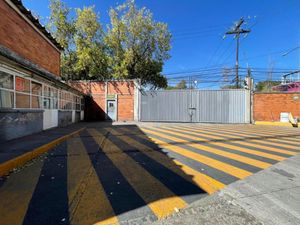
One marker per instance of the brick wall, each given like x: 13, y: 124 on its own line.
x: 268, y: 106
x: 95, y: 106
x: 23, y: 39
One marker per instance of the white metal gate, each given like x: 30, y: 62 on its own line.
x: 207, y: 106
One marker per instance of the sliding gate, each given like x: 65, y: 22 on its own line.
x: 207, y: 106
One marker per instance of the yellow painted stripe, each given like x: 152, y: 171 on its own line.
x: 267, y: 123
x: 159, y: 198
x: 22, y: 159
x: 241, y: 149
x: 230, y: 135
x: 227, y: 168
x: 240, y: 158
x: 206, y: 183
x: 271, y: 141
x: 267, y: 148
x: 237, y: 130
x: 252, y: 131
x: 80, y: 169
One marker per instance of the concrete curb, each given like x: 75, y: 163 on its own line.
x: 281, y: 124
x: 6, y: 167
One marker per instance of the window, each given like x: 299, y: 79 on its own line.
x: 22, y: 101
x: 36, y: 95
x: 6, y: 81
x: 6, y: 90
x: 50, y: 98
x: 22, y: 85
x: 25, y: 93
x: 6, y: 99
x: 22, y: 92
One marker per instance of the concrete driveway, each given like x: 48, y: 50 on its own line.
x: 131, y: 174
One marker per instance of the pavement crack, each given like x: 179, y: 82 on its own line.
x: 85, y: 181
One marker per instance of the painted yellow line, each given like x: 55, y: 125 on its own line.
x: 16, y: 193
x: 267, y: 148
x: 256, y: 131
x: 159, y: 198
x: 82, y: 178
x: 239, y: 131
x: 241, y: 149
x: 237, y: 157
x: 206, y: 183
x: 266, y: 123
x: 265, y: 141
x: 227, y: 168
x: 7, y: 166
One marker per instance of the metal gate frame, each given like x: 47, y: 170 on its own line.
x: 200, y: 106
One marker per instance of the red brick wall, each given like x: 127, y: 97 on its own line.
x: 17, y: 35
x: 96, y: 109
x: 268, y: 106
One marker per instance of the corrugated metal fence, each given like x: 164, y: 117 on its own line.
x: 207, y: 106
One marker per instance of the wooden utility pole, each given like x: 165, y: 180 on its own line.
x: 237, y: 31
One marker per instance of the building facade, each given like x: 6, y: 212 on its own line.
x: 110, y: 100
x: 32, y: 95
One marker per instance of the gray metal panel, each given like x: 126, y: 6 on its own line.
x: 208, y: 106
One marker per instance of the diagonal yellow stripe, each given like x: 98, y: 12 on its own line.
x: 159, y: 198
x: 249, y: 143
x: 227, y: 168
x: 216, y: 151
x: 205, y: 182
x: 240, y: 149
x: 79, y: 169
x: 249, y: 132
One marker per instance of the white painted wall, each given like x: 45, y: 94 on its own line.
x: 81, y: 115
x: 50, y: 119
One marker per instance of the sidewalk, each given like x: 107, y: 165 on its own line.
x: 18, y: 151
x: 270, y: 197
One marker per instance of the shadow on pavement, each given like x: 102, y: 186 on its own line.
x: 138, y: 180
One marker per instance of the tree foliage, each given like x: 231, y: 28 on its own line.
x: 266, y: 86
x: 90, y: 50
x: 181, y: 85
x: 62, y: 28
x: 134, y: 46
x: 138, y: 45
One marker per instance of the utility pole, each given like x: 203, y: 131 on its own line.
x: 237, y: 31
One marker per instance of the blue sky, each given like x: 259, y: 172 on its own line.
x: 198, y: 28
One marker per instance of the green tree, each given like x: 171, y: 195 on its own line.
x: 266, y: 86
x: 138, y: 45
x: 62, y: 28
x: 181, y: 85
x: 90, y: 50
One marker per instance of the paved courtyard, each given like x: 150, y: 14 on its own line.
x: 131, y: 174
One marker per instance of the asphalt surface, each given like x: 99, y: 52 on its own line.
x: 131, y: 174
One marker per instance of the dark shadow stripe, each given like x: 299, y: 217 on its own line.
x: 49, y: 203
x: 122, y: 196
x: 248, y: 155
x: 220, y: 158
x: 223, y: 135
x: 177, y: 184
x: 263, y: 137
x: 200, y: 167
x: 270, y: 144
x: 260, y: 149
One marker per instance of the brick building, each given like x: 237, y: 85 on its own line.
x: 269, y: 106
x: 32, y: 96
x: 110, y: 100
